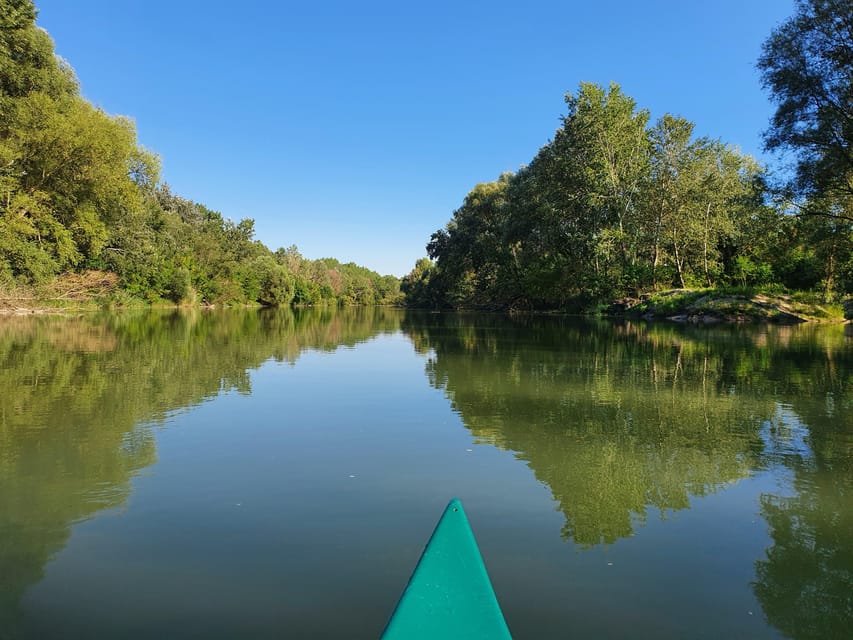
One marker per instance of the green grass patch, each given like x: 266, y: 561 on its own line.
x: 669, y: 302
x: 763, y: 304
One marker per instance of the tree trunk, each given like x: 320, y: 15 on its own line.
x: 678, y: 262
x: 830, y: 269
x: 656, y: 257
x: 705, y: 246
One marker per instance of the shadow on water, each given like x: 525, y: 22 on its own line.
x: 624, y: 420
x: 80, y: 396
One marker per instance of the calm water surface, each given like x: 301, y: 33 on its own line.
x: 276, y: 474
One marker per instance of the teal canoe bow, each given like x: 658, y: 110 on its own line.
x: 449, y: 595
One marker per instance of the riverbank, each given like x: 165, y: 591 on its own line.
x: 711, y: 306
x: 67, y: 293
x: 96, y: 291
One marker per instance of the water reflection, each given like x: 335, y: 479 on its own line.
x: 80, y: 396
x: 625, y: 421
x: 805, y: 581
x: 614, y: 422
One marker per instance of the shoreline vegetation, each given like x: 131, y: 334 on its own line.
x: 84, y: 214
x: 616, y: 215
x: 669, y: 223
x: 94, y: 291
x: 714, y: 306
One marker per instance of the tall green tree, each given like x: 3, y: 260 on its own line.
x: 604, y: 134
x: 672, y: 153
x: 67, y: 169
x: 419, y: 285
x: 27, y: 60
x: 574, y: 219
x: 807, y: 65
x: 700, y: 196
x: 471, y: 249
x: 608, y: 207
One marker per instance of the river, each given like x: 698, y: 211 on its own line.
x: 269, y: 474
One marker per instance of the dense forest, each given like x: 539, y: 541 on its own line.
x: 614, y: 205
x: 617, y: 205
x: 82, y: 200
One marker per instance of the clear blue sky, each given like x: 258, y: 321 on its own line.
x: 354, y: 129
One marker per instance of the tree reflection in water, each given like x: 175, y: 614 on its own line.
x: 618, y: 420
x: 80, y: 396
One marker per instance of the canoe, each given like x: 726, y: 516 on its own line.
x: 449, y: 595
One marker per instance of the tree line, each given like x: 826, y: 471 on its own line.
x: 78, y: 193
x: 616, y: 205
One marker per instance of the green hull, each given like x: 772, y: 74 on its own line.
x: 449, y: 595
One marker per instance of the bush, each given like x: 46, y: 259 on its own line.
x: 179, y: 285
x: 276, y: 286
x: 749, y: 273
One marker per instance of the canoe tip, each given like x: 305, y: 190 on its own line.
x: 454, y: 505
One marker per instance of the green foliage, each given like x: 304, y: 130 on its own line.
x: 419, y: 286
x: 78, y: 192
x: 327, y: 281
x: 805, y: 64
x: 472, y: 249
x: 610, y: 207
x: 749, y: 273
x: 27, y: 61
x: 275, y: 285
x: 613, y: 207
x: 669, y: 302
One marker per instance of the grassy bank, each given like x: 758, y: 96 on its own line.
x: 731, y: 305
